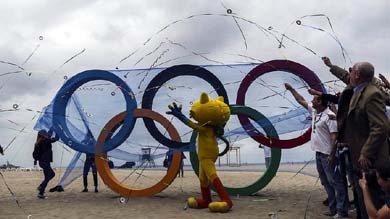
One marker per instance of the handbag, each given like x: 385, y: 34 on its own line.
x: 165, y: 163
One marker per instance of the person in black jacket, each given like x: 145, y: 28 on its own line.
x: 44, y: 154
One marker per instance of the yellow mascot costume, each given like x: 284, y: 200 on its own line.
x: 211, y: 115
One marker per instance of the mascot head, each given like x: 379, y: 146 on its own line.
x: 210, y: 111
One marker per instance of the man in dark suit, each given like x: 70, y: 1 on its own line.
x: 366, y: 123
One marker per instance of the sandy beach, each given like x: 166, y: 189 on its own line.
x: 287, y: 196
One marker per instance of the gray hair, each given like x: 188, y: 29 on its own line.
x: 366, y: 70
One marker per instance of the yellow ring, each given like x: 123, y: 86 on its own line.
x: 102, y: 162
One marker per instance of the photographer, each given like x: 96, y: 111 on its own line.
x: 382, y: 174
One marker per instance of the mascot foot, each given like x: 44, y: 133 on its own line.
x: 201, y: 202
x: 197, y: 203
x: 226, y: 203
x: 219, y: 207
x: 192, y: 203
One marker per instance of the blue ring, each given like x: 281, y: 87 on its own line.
x: 62, y: 98
x: 166, y: 75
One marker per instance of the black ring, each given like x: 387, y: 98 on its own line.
x: 161, y: 79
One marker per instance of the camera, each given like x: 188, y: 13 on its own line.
x: 371, y: 178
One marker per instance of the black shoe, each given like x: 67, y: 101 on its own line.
x: 85, y: 190
x: 41, y: 196
x: 57, y: 189
x: 325, y: 202
x: 96, y: 190
x: 60, y: 189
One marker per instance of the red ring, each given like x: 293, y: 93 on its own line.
x: 276, y: 65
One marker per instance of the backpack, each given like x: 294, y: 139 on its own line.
x: 36, y: 153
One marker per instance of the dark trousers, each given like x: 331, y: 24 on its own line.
x: 353, y: 176
x: 48, y: 173
x: 181, y: 170
x: 334, y: 185
x: 342, y: 170
x: 89, y: 163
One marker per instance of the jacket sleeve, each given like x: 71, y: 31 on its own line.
x: 52, y: 140
x: 378, y: 126
x: 331, y: 98
x: 340, y: 73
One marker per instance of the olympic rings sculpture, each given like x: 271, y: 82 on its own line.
x: 106, y: 142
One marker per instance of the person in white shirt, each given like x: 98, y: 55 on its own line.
x: 267, y: 155
x: 323, y: 137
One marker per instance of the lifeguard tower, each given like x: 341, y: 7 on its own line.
x: 237, y: 161
x: 147, y: 158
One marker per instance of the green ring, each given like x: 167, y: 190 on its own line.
x: 275, y: 153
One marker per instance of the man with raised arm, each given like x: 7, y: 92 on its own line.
x: 323, y: 137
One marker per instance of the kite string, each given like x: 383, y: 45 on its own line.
x: 12, y: 193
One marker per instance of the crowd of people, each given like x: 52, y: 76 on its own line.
x: 352, y: 141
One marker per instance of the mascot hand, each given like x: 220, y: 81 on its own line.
x: 175, y: 110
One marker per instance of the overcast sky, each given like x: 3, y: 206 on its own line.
x: 103, y: 33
